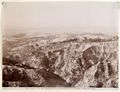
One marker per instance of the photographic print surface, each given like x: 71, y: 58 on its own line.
x: 60, y: 44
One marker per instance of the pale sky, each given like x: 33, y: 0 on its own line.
x: 98, y: 17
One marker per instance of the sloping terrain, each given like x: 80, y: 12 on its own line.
x: 52, y: 62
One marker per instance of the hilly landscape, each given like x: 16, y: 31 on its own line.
x: 60, y: 60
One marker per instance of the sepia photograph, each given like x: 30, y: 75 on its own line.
x: 60, y: 44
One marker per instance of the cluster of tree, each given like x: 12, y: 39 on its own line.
x: 70, y: 40
x: 94, y: 39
